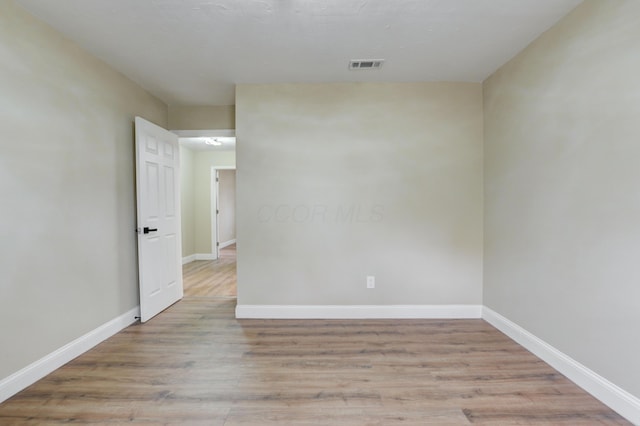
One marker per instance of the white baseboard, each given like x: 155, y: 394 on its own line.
x: 227, y: 243
x: 205, y: 256
x: 198, y: 256
x: 358, y: 311
x: 616, y: 398
x: 21, y: 379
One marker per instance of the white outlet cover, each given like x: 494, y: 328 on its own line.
x: 371, y: 281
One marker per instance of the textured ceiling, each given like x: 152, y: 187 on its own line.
x: 193, y: 52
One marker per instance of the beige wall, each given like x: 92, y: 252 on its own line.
x: 339, y: 181
x: 227, y: 206
x: 202, y: 117
x: 67, y: 240
x: 562, y: 217
x: 187, y: 201
x: 204, y: 162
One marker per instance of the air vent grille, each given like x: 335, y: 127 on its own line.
x: 365, y: 64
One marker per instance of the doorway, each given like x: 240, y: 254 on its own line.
x: 223, y: 209
x: 208, y: 210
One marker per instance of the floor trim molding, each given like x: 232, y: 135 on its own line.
x: 205, y: 256
x: 35, y: 371
x: 358, y: 311
x: 227, y: 243
x: 608, y: 393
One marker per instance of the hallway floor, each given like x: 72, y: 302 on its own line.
x: 211, y: 278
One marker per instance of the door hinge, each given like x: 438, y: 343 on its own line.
x: 217, y: 211
x: 217, y: 244
x: 217, y: 180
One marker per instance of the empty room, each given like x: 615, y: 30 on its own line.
x: 320, y: 212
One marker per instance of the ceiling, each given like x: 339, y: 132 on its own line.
x: 201, y: 144
x: 200, y: 140
x: 194, y: 52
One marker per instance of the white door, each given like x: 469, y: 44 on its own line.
x: 158, y: 198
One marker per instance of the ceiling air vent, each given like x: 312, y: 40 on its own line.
x: 365, y: 64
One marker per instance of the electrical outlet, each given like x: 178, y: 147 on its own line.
x: 371, y: 281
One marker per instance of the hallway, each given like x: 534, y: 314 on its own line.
x: 211, y: 278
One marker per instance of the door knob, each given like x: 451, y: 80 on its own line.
x: 146, y: 230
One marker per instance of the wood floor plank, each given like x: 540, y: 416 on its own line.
x: 343, y: 416
x: 196, y: 364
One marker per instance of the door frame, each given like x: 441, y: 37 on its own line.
x: 208, y: 134
x: 213, y: 206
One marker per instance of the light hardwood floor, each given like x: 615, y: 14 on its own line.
x: 211, y: 278
x: 195, y: 364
